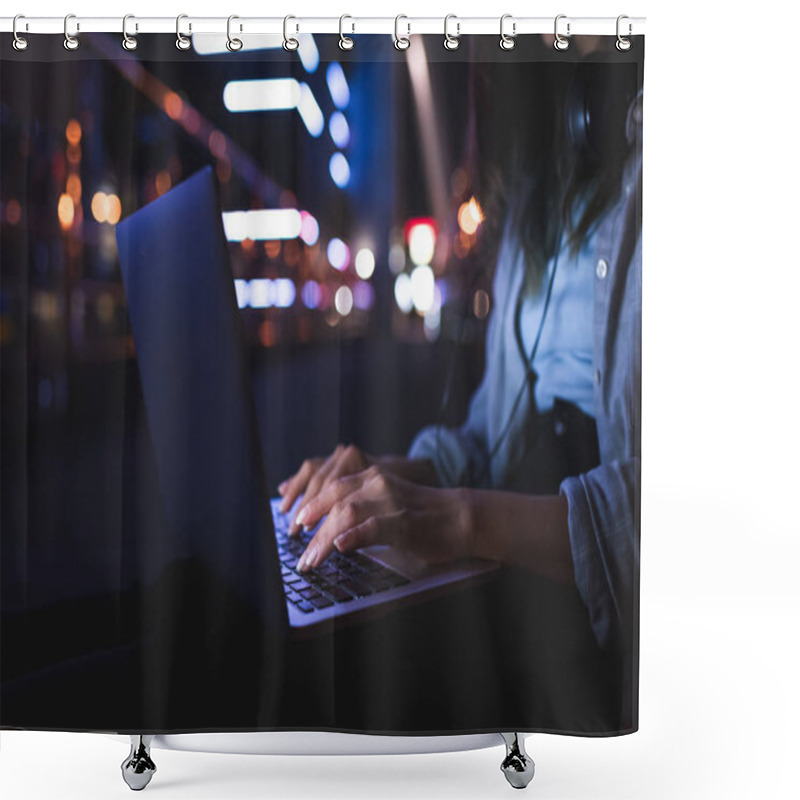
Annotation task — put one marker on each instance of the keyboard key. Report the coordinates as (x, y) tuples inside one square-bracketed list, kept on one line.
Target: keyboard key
[(305, 606), (310, 593), (321, 602), (337, 593)]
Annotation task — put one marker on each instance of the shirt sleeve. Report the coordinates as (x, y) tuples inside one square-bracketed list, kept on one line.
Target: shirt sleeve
[(604, 536), (459, 455)]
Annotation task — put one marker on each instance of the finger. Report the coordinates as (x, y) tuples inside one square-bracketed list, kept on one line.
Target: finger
[(333, 492), (343, 517), (313, 486), (294, 486)]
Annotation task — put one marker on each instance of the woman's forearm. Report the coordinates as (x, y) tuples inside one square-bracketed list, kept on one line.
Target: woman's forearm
[(528, 531)]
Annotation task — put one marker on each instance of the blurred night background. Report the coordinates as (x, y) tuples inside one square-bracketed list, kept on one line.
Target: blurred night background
[(348, 200)]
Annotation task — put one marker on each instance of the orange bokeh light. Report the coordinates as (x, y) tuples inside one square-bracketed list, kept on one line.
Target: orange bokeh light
[(66, 211), (73, 131)]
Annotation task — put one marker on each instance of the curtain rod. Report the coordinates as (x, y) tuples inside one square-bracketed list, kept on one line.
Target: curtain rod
[(461, 26)]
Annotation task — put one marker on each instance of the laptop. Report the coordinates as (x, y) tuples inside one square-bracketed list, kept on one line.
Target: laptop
[(198, 395)]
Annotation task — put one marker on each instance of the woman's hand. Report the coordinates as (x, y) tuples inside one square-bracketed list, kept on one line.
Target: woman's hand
[(317, 474), (376, 506)]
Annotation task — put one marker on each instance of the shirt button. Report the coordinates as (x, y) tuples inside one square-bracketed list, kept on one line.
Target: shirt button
[(601, 270), (597, 376)]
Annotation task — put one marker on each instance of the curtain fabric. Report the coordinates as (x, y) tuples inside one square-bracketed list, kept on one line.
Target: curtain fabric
[(217, 267)]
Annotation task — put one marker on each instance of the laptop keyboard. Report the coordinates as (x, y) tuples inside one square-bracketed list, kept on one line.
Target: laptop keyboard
[(339, 579)]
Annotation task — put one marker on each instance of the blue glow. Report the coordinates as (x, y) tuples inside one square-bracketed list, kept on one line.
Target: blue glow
[(307, 50), (312, 294), (242, 292), (284, 292), (337, 84), (340, 130), (340, 170)]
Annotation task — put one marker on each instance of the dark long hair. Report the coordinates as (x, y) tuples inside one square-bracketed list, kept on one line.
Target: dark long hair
[(533, 176)]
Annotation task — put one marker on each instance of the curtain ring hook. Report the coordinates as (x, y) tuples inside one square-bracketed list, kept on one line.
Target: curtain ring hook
[(401, 42), (71, 42), (182, 42), (289, 42), (345, 42), (233, 44), (451, 42), (562, 42), (623, 43), (507, 42), (20, 42), (129, 42)]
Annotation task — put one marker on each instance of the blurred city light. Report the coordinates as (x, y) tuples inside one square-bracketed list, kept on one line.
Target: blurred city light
[(363, 295), (470, 216), (261, 224), (262, 293), (397, 258), (307, 50), (268, 94), (340, 170), (339, 129), (66, 211), (421, 236), (311, 294), (338, 254), (422, 288), (73, 132), (114, 209), (402, 292), (343, 300), (242, 292), (337, 85), (365, 263), (99, 206), (310, 112), (309, 228), (285, 292)]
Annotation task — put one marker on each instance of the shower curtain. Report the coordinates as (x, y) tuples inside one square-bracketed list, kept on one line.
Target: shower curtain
[(432, 263)]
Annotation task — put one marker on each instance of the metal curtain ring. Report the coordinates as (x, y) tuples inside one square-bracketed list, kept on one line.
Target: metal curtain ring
[(233, 44), (507, 42), (289, 42), (70, 42), (345, 42), (561, 42), (20, 42), (129, 42), (451, 42), (401, 42), (623, 43), (182, 42)]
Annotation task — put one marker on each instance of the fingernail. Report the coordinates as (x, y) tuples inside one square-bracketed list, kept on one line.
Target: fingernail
[(338, 542), (301, 517), (308, 559)]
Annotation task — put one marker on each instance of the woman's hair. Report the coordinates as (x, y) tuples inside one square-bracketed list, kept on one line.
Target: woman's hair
[(532, 178)]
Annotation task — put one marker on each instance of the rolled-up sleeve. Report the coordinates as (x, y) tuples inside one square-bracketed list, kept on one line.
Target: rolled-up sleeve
[(604, 536)]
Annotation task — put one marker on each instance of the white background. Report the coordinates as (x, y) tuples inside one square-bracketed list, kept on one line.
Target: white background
[(720, 535)]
